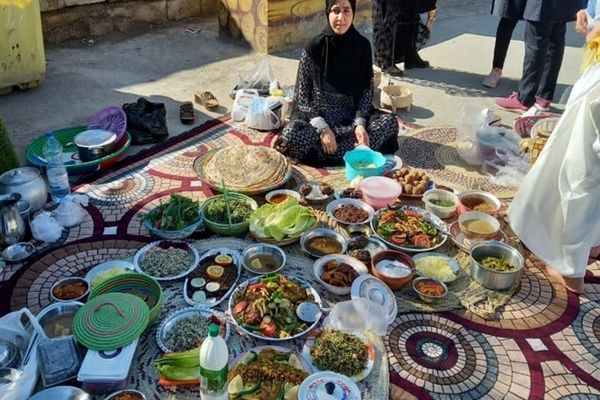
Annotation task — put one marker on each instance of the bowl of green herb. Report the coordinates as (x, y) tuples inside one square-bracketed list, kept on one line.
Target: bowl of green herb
[(440, 202), (176, 219), (228, 213)]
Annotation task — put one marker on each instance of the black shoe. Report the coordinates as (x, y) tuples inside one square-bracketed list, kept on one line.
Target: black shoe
[(393, 70), (186, 112), (416, 62)]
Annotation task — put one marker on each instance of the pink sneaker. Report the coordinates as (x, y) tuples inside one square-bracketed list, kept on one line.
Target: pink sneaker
[(511, 103), (542, 104), (491, 81)]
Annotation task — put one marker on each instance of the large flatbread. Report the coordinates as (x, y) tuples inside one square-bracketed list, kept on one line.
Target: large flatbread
[(245, 167)]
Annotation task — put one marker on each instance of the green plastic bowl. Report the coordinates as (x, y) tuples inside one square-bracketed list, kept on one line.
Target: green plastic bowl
[(140, 285), (35, 154), (226, 229)]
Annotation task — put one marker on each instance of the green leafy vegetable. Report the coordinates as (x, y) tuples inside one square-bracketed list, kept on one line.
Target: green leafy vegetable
[(277, 221), (178, 213), (181, 366), (239, 210)]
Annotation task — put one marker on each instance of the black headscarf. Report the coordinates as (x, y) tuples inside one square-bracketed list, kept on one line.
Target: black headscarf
[(345, 60)]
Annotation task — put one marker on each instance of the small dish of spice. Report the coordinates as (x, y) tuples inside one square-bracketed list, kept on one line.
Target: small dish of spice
[(279, 196), (69, 289), (429, 289)]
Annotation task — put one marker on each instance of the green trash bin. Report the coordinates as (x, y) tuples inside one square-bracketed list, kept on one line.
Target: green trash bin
[(22, 58)]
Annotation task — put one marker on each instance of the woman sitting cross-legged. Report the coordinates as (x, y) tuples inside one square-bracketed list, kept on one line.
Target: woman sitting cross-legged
[(333, 96)]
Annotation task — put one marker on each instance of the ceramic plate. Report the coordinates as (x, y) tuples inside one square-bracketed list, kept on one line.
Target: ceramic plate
[(310, 343), (313, 387)]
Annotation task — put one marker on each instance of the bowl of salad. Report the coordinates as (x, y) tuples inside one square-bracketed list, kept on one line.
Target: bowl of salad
[(176, 219), (228, 214), (265, 307)]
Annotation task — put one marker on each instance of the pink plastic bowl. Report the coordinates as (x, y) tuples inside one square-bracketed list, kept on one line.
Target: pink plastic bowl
[(379, 191)]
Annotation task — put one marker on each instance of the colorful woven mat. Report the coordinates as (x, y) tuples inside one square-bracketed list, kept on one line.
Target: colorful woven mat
[(433, 151)]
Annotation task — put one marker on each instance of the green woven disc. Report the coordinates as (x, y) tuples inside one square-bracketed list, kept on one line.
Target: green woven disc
[(110, 321)]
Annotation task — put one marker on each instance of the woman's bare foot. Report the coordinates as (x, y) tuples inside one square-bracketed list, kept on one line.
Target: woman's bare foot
[(575, 285)]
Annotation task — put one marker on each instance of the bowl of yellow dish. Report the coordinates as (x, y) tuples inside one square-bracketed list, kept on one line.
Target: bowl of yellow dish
[(437, 266)]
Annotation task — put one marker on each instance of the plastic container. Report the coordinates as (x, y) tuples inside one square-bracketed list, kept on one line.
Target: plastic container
[(106, 371), (379, 191), (214, 357), (363, 156), (58, 178), (21, 45), (58, 360)]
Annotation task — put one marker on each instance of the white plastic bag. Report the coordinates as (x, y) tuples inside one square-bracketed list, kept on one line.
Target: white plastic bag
[(70, 211), (15, 329), (265, 113), (45, 228), (243, 99), (357, 316), (260, 80), (468, 122)]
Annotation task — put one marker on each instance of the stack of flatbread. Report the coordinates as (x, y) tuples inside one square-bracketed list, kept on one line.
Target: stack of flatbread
[(244, 169)]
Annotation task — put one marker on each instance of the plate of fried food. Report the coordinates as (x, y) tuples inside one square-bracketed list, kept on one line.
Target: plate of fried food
[(337, 272), (414, 183)]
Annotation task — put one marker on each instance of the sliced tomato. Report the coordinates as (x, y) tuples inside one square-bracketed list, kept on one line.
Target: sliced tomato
[(158, 224), (411, 213), (398, 239), (422, 241), (239, 307), (269, 328), (386, 216), (255, 287)]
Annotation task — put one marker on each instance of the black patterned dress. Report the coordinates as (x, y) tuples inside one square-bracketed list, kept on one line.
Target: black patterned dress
[(394, 24), (316, 109)]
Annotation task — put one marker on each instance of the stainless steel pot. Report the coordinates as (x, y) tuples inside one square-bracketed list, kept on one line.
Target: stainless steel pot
[(29, 183), (94, 144), (489, 278)]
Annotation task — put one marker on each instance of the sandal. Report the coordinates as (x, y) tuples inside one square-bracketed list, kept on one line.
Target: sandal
[(207, 99), (186, 112)]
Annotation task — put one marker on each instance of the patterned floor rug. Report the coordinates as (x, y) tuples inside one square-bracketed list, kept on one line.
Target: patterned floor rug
[(545, 342)]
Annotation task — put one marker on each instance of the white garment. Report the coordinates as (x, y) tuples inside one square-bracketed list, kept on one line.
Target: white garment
[(556, 212)]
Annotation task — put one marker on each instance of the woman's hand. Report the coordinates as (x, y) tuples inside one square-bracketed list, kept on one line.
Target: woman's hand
[(328, 141), (362, 137), (593, 34), (582, 22)]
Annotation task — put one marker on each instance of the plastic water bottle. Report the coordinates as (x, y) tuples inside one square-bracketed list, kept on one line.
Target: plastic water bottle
[(58, 178), (214, 357)]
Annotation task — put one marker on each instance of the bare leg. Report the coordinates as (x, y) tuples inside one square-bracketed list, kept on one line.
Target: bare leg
[(575, 285)]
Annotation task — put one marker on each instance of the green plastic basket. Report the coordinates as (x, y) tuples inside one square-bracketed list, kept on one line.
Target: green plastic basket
[(66, 136), (226, 229), (141, 285)]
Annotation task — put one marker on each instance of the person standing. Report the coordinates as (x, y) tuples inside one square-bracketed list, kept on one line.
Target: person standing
[(510, 12), (557, 208), (395, 27), (545, 30)]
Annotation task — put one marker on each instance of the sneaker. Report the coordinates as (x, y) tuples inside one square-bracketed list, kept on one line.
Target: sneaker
[(491, 81), (511, 103), (542, 104)]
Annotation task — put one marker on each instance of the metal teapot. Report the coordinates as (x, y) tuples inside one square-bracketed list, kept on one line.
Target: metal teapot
[(12, 226)]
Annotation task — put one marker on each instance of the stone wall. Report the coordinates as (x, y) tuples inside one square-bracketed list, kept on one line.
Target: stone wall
[(75, 19)]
